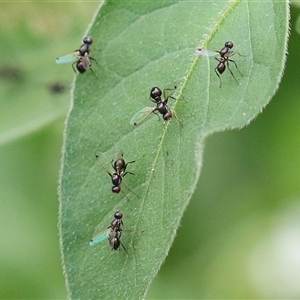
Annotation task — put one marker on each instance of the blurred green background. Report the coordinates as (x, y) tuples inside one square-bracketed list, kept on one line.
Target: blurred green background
[(240, 236)]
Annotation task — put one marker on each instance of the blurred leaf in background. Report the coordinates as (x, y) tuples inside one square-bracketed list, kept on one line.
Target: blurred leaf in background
[(34, 99)]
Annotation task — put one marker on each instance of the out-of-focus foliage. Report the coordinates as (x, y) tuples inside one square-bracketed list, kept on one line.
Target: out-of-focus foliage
[(34, 99)]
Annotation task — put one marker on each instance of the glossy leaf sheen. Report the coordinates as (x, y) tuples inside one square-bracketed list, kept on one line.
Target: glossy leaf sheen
[(138, 46)]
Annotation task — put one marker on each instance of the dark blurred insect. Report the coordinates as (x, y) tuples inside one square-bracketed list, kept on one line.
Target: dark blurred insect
[(112, 233), (224, 58), (161, 101), (119, 166), (12, 73), (57, 88)]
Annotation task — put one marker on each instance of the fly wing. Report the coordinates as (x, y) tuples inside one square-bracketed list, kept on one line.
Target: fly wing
[(230, 53), (168, 93), (85, 61), (100, 237), (101, 163), (83, 64), (68, 58), (205, 52), (141, 115)]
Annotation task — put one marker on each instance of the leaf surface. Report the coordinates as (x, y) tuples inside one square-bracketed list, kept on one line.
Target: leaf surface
[(139, 46)]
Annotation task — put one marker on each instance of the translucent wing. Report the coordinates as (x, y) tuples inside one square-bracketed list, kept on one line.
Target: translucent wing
[(68, 58), (100, 237), (83, 64), (100, 162), (230, 53), (168, 93), (86, 62), (205, 52), (141, 115)]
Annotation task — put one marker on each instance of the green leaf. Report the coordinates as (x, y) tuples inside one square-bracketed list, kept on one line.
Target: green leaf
[(28, 74), (141, 45), (26, 111)]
